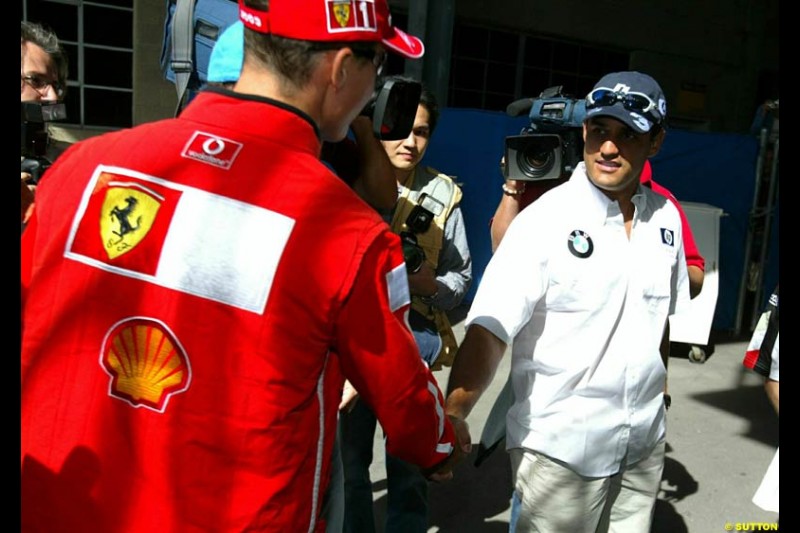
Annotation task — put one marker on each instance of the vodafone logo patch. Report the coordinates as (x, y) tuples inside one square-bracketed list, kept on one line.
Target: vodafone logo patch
[(211, 149)]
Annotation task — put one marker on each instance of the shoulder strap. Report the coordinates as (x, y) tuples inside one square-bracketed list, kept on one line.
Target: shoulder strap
[(182, 43)]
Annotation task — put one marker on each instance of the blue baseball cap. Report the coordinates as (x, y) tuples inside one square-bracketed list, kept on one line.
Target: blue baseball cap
[(227, 56), (631, 97)]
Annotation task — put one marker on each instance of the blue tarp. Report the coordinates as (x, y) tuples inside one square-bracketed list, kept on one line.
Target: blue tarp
[(716, 169)]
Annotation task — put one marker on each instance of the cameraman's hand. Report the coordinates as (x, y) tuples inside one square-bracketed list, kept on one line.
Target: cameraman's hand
[(27, 195), (423, 282)]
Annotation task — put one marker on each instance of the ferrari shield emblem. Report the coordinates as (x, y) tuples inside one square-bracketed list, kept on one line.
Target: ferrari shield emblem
[(127, 216), (341, 11)]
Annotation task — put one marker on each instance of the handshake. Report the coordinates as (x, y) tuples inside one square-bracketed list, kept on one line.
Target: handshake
[(462, 447)]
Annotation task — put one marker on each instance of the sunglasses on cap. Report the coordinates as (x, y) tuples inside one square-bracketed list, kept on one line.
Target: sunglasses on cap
[(603, 96)]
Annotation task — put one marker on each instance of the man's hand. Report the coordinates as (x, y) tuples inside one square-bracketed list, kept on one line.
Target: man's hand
[(349, 397), (423, 281), (462, 447)]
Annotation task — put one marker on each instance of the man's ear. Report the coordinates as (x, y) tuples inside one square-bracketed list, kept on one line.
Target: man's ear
[(339, 63), (655, 142)]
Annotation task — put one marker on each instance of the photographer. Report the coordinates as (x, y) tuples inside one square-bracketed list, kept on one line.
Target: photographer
[(439, 268), (43, 79)]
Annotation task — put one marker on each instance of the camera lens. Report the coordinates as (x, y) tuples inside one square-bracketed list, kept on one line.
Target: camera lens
[(535, 161)]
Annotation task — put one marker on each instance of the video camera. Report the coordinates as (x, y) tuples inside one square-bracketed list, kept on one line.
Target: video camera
[(34, 117), (552, 145), (393, 109)]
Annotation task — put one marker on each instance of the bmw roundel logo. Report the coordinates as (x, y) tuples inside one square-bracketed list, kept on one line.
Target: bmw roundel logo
[(580, 244)]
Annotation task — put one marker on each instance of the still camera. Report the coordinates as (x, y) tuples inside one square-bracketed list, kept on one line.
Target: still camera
[(34, 118)]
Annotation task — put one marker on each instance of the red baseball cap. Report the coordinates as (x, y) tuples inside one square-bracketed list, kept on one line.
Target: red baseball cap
[(332, 20)]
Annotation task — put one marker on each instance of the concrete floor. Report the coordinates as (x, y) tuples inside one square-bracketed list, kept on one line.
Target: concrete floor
[(722, 434)]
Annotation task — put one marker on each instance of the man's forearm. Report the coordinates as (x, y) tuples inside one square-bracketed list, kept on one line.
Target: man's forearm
[(771, 386), (696, 277), (508, 208), (473, 369)]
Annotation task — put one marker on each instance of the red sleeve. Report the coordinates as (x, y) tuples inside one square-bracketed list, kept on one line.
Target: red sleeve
[(693, 257), (381, 360)]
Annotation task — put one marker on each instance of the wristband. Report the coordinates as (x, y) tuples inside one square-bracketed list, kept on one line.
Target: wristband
[(513, 192)]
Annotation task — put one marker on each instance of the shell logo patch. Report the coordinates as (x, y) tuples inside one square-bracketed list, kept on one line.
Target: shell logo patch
[(580, 244), (146, 363), (127, 216)]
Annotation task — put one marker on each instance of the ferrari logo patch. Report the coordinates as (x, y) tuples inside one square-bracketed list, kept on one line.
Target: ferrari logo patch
[(341, 11), (127, 216)]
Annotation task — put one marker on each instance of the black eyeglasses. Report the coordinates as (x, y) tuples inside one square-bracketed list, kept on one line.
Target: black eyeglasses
[(378, 56), (632, 101), (40, 84)]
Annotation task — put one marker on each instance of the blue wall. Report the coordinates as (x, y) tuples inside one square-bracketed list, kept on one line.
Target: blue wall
[(717, 169)]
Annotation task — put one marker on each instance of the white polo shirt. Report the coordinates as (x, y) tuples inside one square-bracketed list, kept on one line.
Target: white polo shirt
[(586, 307)]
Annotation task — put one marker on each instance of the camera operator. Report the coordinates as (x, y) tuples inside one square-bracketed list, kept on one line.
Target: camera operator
[(429, 220), (43, 79), (516, 195)]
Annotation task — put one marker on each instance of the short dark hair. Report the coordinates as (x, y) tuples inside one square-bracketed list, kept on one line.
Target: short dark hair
[(44, 37), (656, 129), (426, 99), (291, 58)]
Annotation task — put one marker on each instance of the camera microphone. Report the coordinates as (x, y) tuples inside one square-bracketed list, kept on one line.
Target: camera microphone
[(518, 108)]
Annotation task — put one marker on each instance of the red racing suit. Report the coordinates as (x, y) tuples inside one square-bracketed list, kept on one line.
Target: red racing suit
[(195, 291)]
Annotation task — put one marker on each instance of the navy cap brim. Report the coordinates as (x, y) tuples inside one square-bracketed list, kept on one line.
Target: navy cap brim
[(635, 121)]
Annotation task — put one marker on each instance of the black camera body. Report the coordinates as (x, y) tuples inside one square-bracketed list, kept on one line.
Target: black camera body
[(393, 109), (552, 145), (418, 221), (34, 117)]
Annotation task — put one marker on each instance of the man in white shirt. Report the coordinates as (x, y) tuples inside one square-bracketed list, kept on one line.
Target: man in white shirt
[(585, 303)]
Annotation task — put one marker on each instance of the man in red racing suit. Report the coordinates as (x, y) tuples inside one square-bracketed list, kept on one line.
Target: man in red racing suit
[(195, 292)]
